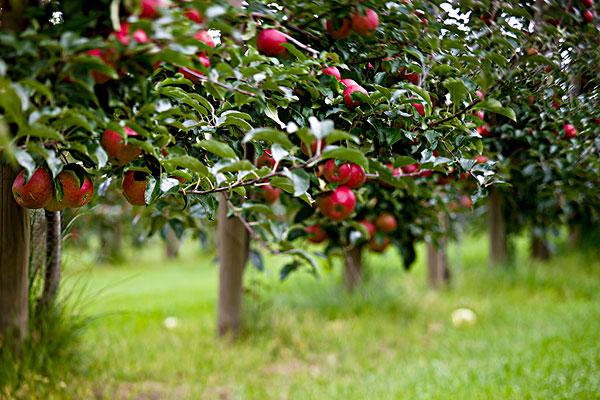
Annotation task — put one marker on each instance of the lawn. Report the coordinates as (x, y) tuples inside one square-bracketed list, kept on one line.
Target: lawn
[(536, 334)]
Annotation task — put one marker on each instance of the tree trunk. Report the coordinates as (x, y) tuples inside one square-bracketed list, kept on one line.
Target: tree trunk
[(539, 249), (437, 265), (111, 243), (14, 260), (233, 245), (353, 268), (172, 243), (574, 239), (53, 257), (497, 229)]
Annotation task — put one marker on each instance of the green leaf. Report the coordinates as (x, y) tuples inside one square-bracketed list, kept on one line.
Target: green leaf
[(300, 180), (495, 106), (271, 112), (457, 88), (337, 136), (25, 160), (345, 154), (219, 148), (187, 162), (268, 135)]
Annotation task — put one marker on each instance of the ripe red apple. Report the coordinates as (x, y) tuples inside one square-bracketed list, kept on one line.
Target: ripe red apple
[(122, 35), (410, 168), (425, 172), (379, 244), (480, 94), (340, 29), (265, 158), (487, 19), (357, 177), (150, 8), (86, 192), (99, 77), (588, 3), (420, 109), (337, 205), (413, 78), (596, 121), (316, 234), (386, 222), (205, 37), (588, 16), (333, 71), (269, 42), (36, 192), (480, 115), (193, 15), (71, 192), (370, 227), (140, 36), (365, 24), (481, 159), (349, 82), (484, 130), (134, 187), (271, 194), (314, 146), (350, 103), (396, 172), (339, 174), (570, 131), (118, 152), (191, 73)]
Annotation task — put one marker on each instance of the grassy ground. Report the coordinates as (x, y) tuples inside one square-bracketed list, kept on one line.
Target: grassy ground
[(536, 335)]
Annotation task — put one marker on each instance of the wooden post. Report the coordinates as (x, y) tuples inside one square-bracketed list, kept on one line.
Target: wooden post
[(539, 248), (497, 229), (53, 257), (14, 260), (233, 245), (353, 268)]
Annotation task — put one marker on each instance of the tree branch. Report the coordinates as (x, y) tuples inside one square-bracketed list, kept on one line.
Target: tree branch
[(203, 78)]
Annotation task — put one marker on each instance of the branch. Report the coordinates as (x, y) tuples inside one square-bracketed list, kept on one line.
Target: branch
[(201, 77)]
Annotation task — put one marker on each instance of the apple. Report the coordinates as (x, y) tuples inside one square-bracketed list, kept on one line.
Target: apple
[(480, 94), (357, 177), (270, 193), (466, 201), (118, 152), (339, 174), (205, 37), (122, 35), (350, 103), (396, 172), (413, 78), (570, 131), (338, 204), (140, 36), (588, 16), (100, 77), (316, 234), (349, 82), (378, 245), (481, 159), (365, 24), (71, 192), (370, 227), (150, 8), (339, 29), (487, 19), (588, 3), (265, 158), (86, 192), (193, 15), (480, 115), (36, 192), (333, 71), (269, 42), (191, 73), (425, 172), (410, 168), (134, 187), (420, 109), (315, 146), (596, 121), (484, 130), (386, 222)]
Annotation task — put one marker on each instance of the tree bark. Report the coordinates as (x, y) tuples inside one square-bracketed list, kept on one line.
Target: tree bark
[(14, 260), (438, 272), (353, 268), (111, 242), (497, 229), (53, 257), (233, 245), (172, 243), (539, 249)]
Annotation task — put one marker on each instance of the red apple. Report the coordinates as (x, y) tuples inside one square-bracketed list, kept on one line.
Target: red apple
[(370, 227), (357, 177), (71, 192), (378, 245), (349, 82), (588, 3), (570, 131), (150, 8), (365, 24), (339, 174), (314, 146), (588, 16), (134, 187), (410, 168), (420, 109), (191, 73), (265, 158), (316, 234), (140, 36), (484, 130), (122, 35), (386, 222), (193, 15), (340, 29), (350, 103), (413, 78), (269, 42), (205, 37), (481, 159), (270, 193), (99, 77), (396, 172), (333, 71), (480, 115), (480, 94), (86, 192), (118, 152), (338, 204), (36, 192)]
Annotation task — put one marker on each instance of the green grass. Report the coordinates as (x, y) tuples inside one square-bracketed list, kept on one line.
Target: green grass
[(536, 335)]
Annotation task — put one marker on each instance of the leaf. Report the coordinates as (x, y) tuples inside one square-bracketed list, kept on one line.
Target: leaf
[(300, 180), (188, 162), (269, 135), (25, 160), (287, 269), (345, 154), (219, 148), (241, 165), (495, 106), (337, 135), (41, 131), (457, 88), (272, 113)]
